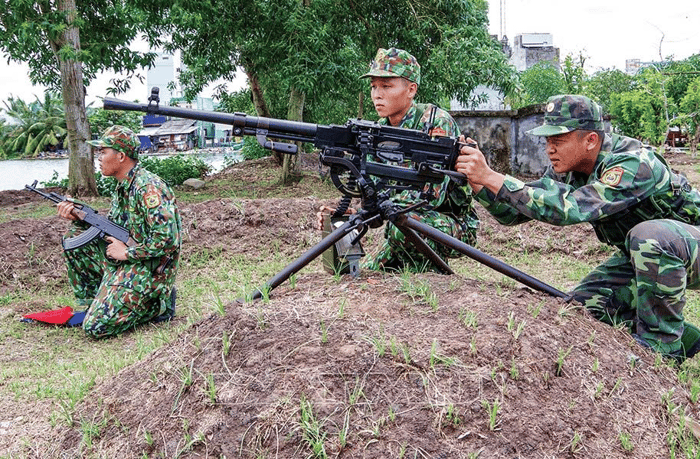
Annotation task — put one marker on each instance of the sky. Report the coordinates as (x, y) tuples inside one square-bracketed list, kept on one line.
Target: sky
[(606, 32)]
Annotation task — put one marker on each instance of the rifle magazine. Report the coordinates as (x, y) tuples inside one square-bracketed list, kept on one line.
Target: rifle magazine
[(81, 239)]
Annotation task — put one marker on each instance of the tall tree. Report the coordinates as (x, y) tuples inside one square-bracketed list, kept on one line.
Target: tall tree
[(539, 83), (66, 43), (604, 83), (303, 57)]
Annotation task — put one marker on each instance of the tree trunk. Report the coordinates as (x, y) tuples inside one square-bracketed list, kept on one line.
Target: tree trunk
[(295, 113), (361, 106), (81, 165), (258, 96), (261, 106), (695, 140)]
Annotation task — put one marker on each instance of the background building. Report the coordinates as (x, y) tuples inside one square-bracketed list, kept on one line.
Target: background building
[(159, 132), (528, 49)]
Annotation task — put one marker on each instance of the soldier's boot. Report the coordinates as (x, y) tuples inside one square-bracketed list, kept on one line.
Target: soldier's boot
[(690, 340), (169, 309), (672, 351), (690, 344)]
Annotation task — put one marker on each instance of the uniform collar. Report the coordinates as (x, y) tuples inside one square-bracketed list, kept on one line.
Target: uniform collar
[(126, 183)]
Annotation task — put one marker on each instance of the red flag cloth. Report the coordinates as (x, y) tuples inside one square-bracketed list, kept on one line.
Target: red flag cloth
[(59, 316)]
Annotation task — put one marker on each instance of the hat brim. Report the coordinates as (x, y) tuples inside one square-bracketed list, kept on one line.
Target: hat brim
[(548, 130), (96, 143), (381, 73)]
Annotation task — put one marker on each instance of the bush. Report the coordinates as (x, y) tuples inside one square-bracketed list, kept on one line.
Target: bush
[(173, 170), (252, 149), (176, 169)]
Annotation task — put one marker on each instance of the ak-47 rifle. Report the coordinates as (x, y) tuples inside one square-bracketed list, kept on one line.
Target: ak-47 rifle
[(367, 161), (99, 226)]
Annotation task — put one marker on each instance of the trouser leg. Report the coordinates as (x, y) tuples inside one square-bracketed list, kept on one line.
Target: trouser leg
[(664, 254), (117, 307), (609, 291), (397, 253), (86, 266)]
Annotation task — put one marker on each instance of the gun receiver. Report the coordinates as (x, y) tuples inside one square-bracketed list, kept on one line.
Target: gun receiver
[(99, 226)]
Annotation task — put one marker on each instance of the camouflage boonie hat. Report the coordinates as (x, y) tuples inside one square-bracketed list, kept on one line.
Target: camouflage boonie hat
[(394, 62), (121, 139), (568, 113)]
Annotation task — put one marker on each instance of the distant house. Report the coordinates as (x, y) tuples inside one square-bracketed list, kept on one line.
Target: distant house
[(176, 135), (675, 137)]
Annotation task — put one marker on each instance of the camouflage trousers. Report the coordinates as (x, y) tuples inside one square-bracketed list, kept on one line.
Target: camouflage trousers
[(645, 290), (396, 253), (117, 296)]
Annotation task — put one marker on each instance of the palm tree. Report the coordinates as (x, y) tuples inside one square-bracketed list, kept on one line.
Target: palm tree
[(4, 130), (37, 125)]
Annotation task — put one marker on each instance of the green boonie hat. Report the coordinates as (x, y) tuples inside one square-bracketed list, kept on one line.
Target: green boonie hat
[(394, 62), (121, 139), (566, 113)]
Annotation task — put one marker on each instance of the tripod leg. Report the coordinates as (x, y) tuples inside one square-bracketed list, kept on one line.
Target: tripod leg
[(424, 248), (305, 259), (481, 257)]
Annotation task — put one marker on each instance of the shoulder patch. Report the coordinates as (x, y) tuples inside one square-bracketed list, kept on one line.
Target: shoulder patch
[(151, 199), (612, 177)]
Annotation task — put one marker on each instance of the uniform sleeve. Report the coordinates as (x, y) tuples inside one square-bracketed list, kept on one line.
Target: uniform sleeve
[(620, 184), (159, 224), (443, 124)]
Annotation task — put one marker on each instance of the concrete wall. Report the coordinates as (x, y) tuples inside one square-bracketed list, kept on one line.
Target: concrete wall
[(502, 137)]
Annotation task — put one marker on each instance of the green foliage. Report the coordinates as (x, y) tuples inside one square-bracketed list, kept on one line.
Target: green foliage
[(331, 44), (638, 114), (539, 83), (604, 83), (690, 107), (106, 29), (101, 119), (176, 169), (35, 127), (252, 149), (575, 77)]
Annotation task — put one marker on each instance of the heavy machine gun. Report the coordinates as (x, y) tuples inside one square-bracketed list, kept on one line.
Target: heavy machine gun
[(366, 160)]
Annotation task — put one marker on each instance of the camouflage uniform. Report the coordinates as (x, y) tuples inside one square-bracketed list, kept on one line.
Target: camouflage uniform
[(121, 294), (451, 210), (635, 203)]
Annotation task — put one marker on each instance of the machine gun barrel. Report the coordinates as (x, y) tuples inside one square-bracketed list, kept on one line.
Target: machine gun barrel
[(243, 124)]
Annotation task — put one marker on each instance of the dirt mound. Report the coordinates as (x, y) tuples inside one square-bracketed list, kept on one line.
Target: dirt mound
[(381, 368)]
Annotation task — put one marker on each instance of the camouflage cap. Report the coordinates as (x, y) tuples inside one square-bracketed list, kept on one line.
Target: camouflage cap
[(394, 62), (121, 139), (566, 113)]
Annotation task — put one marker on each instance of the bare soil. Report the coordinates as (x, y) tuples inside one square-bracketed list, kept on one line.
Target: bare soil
[(382, 366)]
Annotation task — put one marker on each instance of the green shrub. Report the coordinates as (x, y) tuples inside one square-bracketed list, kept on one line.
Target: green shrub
[(173, 170), (252, 149), (176, 169)]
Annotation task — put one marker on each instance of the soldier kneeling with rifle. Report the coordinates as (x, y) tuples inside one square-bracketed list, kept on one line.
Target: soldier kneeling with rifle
[(125, 284)]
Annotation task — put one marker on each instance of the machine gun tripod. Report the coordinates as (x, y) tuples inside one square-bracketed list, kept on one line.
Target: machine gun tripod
[(375, 211)]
